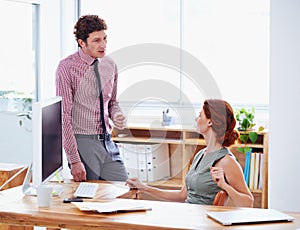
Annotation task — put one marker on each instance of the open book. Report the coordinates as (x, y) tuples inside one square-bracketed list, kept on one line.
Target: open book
[(112, 206)]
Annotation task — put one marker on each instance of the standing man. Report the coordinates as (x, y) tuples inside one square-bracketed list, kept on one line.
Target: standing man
[(76, 81)]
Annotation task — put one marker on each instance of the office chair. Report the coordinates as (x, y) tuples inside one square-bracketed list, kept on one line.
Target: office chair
[(221, 198)]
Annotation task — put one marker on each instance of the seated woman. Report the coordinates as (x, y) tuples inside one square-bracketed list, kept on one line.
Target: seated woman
[(214, 167)]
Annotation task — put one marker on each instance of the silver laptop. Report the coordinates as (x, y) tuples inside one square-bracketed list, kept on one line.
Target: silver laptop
[(251, 215)]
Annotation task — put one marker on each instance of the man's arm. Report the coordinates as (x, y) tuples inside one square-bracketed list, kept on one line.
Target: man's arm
[(64, 89)]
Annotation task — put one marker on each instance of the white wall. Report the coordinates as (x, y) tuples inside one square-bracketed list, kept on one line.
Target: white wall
[(284, 155)]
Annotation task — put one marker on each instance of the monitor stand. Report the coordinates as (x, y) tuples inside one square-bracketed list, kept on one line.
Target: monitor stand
[(27, 188)]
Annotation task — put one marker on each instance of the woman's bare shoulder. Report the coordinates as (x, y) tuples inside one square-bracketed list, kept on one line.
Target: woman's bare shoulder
[(228, 161)]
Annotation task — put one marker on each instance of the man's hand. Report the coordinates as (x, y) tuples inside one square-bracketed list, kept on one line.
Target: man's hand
[(119, 120), (78, 171)]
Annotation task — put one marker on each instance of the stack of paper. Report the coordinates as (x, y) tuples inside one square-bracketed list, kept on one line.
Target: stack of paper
[(112, 206)]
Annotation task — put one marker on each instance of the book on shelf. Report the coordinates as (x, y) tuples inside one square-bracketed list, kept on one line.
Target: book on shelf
[(247, 167), (255, 174), (256, 170), (261, 171), (252, 168)]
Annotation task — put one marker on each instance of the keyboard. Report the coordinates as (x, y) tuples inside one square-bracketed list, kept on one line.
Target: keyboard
[(86, 190)]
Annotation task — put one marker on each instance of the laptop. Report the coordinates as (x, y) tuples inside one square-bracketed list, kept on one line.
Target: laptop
[(251, 215)]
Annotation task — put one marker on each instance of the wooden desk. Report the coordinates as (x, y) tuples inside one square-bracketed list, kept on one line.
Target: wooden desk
[(17, 209)]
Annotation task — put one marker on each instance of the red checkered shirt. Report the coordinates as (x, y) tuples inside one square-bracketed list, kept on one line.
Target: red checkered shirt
[(77, 84)]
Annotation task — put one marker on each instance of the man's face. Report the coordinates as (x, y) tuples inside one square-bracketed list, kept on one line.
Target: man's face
[(95, 46)]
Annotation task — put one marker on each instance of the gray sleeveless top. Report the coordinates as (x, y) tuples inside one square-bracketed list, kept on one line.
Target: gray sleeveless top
[(201, 189)]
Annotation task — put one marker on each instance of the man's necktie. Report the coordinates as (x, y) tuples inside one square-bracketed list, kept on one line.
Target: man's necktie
[(95, 64)]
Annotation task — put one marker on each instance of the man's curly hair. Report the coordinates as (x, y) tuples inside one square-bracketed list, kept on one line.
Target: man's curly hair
[(87, 24)]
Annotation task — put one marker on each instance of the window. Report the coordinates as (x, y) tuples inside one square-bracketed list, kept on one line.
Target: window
[(141, 32), (231, 38), (19, 67), (177, 53)]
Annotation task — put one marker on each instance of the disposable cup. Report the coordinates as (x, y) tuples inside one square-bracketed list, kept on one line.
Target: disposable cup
[(44, 194)]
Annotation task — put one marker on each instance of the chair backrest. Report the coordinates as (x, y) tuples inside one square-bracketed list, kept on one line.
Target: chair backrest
[(220, 198)]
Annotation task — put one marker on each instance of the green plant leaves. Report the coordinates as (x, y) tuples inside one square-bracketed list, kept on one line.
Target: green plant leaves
[(245, 119), (253, 136), (244, 149), (261, 128), (244, 138), (245, 124)]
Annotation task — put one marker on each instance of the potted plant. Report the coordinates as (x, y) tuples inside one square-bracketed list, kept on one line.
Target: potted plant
[(245, 119)]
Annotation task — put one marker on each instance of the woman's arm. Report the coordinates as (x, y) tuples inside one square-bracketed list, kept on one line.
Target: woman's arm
[(163, 194), (235, 185)]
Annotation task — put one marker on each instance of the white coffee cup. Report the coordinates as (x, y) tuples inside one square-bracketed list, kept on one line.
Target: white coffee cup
[(44, 194)]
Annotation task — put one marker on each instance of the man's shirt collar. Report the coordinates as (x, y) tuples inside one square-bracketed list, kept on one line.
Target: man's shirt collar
[(87, 58)]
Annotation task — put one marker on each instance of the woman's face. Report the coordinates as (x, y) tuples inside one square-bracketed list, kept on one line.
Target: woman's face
[(203, 123)]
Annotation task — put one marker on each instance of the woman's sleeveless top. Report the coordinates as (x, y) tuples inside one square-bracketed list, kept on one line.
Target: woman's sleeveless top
[(201, 188)]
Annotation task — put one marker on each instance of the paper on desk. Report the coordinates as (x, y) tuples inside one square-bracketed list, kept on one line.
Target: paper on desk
[(112, 206)]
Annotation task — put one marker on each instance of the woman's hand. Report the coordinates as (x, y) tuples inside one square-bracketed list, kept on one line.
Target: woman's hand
[(217, 175), (134, 183)]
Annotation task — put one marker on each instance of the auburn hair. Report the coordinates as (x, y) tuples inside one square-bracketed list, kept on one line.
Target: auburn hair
[(223, 121)]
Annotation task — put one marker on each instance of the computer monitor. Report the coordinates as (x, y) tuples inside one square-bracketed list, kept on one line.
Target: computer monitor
[(47, 158)]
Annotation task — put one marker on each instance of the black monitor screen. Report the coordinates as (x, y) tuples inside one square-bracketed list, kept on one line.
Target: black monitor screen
[(51, 139)]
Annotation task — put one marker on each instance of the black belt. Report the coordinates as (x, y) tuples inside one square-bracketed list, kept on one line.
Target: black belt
[(98, 137)]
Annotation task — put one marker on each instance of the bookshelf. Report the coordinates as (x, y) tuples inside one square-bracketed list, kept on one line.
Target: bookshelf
[(184, 143)]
